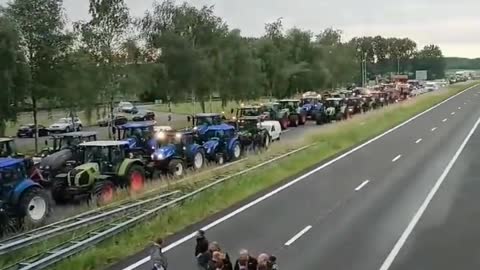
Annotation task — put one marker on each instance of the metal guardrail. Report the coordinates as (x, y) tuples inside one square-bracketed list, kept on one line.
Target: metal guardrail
[(114, 225), (74, 223)]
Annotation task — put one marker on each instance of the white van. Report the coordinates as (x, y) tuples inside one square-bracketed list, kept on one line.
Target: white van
[(273, 127)]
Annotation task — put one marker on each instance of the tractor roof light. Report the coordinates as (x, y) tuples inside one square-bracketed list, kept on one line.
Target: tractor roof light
[(178, 136), (161, 135)]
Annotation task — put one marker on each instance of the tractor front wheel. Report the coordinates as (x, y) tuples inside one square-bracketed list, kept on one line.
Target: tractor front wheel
[(236, 151), (303, 119), (198, 160), (34, 207), (59, 191), (136, 178), (104, 191), (220, 159), (176, 167)]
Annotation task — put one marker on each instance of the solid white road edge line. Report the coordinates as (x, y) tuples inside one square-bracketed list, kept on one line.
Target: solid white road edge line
[(298, 235), (444, 120), (419, 140), (362, 185), (294, 181), (433, 129), (403, 238), (396, 158)]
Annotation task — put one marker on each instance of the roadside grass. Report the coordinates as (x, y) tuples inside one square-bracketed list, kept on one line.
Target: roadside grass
[(328, 142)]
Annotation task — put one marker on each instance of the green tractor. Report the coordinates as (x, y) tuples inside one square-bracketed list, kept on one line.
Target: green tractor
[(277, 113), (296, 115), (107, 165)]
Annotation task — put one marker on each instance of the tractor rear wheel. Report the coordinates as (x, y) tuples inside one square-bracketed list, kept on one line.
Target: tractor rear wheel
[(303, 119), (136, 178), (104, 191), (176, 167), (34, 207), (293, 120)]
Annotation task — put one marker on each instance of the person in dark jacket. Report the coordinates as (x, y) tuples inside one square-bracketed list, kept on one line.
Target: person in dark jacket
[(245, 261), (202, 253), (202, 243)]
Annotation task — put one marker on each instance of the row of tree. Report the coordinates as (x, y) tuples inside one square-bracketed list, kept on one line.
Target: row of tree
[(175, 53)]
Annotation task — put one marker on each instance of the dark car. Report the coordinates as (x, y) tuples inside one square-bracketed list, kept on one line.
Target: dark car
[(117, 121), (29, 131), (144, 116)]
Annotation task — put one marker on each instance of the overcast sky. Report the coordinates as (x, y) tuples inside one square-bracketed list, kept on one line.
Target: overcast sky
[(453, 25)]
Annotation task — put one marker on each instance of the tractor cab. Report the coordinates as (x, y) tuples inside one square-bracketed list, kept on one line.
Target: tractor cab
[(67, 141), (107, 154), (251, 111), (139, 135), (293, 105), (8, 148), (21, 199), (203, 120)]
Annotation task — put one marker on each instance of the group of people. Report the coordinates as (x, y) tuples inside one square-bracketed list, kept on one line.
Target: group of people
[(209, 256)]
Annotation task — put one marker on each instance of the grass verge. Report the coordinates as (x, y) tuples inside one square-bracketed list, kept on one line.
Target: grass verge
[(329, 141)]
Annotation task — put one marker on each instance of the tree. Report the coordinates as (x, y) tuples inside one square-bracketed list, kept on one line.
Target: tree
[(13, 73), (40, 24), (103, 37), (430, 58)]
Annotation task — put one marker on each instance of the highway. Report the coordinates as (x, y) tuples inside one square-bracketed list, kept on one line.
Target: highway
[(403, 200)]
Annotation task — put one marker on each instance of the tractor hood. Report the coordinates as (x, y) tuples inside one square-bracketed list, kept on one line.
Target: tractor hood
[(164, 152), (308, 107), (210, 146), (56, 160), (201, 129), (86, 166), (132, 143)]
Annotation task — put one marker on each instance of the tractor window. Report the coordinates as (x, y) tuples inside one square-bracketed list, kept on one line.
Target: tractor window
[(7, 149), (117, 155), (273, 128), (204, 121), (96, 154), (229, 133)]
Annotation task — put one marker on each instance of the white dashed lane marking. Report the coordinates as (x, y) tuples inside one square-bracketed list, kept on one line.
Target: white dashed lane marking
[(433, 129), (444, 120), (362, 185), (298, 235), (419, 140), (396, 158)]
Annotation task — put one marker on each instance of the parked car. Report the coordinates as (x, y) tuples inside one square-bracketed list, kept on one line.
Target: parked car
[(65, 125), (144, 116), (127, 107), (29, 131), (117, 121)]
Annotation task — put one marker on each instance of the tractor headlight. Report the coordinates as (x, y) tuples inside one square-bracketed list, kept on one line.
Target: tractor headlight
[(178, 136), (47, 167), (157, 156), (234, 118)]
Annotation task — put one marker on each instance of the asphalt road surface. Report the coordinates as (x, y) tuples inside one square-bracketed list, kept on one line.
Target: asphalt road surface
[(406, 199)]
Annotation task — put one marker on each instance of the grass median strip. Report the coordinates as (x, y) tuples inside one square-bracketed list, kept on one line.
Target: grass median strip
[(329, 141)]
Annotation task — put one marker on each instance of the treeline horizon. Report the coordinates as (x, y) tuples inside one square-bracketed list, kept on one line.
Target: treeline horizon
[(178, 52)]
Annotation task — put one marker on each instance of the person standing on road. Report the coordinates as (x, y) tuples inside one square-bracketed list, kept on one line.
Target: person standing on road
[(245, 261), (202, 253), (159, 261)]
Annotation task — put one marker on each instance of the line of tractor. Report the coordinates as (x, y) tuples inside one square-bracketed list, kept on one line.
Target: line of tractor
[(76, 165)]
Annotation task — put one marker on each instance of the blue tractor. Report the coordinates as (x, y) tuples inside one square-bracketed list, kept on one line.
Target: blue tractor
[(140, 137), (221, 143), (21, 199), (177, 150), (202, 121)]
